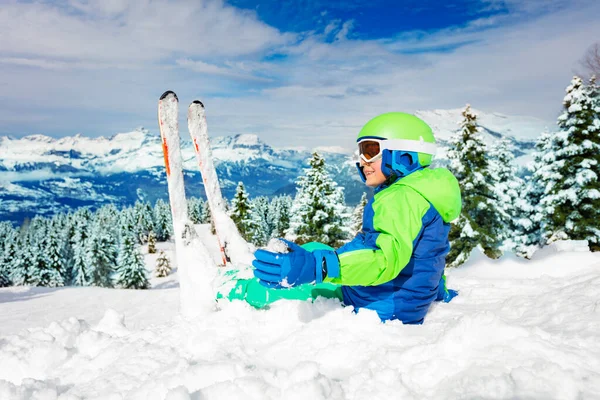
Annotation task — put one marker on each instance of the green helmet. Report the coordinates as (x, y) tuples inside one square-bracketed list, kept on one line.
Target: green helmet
[(402, 132)]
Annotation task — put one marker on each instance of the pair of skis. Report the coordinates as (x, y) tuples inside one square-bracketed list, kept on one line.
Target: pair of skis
[(196, 268), (233, 248)]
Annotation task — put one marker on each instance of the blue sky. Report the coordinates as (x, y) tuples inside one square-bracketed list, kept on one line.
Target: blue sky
[(305, 72), (376, 19)]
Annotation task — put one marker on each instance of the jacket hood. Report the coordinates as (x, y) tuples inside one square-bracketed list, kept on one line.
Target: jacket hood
[(439, 187)]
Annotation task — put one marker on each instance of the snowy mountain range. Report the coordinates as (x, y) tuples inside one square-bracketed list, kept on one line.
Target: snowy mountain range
[(43, 175)]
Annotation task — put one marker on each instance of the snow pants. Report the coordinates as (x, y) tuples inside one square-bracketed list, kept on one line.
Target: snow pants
[(260, 296)]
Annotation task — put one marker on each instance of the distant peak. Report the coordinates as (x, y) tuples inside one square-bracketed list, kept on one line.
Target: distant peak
[(332, 149), (39, 138), (247, 139)]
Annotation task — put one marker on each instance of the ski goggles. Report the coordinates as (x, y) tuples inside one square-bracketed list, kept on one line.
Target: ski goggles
[(371, 149)]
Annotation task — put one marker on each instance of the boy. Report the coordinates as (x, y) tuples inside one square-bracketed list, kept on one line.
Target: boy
[(395, 265)]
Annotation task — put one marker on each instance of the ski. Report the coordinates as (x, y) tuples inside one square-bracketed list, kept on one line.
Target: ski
[(193, 259), (234, 248)]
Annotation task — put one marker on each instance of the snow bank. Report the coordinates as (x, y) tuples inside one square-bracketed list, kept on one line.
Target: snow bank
[(518, 329)]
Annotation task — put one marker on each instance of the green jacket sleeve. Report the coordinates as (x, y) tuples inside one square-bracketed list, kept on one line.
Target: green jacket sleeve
[(397, 220)]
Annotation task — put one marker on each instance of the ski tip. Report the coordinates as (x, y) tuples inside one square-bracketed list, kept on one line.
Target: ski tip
[(168, 92), (198, 102)]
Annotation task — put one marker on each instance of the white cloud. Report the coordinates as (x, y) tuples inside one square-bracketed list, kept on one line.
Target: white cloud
[(7, 177), (134, 30), (233, 70), (332, 26), (343, 33)]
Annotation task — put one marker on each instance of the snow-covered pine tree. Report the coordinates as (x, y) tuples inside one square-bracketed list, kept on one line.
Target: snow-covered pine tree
[(80, 248), (131, 269), (152, 243), (70, 229), (240, 210), (572, 202), (41, 273), (195, 206), (318, 212), (259, 229), (127, 222), (55, 248), (163, 221), (143, 215), (102, 253), (205, 217), (4, 278), (163, 265), (279, 215), (527, 237), (36, 229), (20, 273), (357, 214), (111, 217), (59, 222), (479, 223), (507, 188), (7, 252), (5, 264), (11, 252), (593, 92)]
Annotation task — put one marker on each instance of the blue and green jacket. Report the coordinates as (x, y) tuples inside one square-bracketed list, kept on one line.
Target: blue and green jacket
[(395, 265)]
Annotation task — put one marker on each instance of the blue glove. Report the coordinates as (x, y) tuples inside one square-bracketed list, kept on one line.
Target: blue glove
[(299, 266)]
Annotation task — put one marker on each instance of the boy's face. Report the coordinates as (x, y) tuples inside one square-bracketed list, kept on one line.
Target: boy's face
[(373, 173)]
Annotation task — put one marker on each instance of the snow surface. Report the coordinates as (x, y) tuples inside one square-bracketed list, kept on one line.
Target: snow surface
[(518, 329)]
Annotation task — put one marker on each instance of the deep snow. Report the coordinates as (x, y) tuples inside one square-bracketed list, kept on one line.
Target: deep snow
[(518, 329)]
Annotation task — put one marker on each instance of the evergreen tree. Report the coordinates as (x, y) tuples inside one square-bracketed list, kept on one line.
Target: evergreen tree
[(110, 217), (152, 243), (572, 202), (6, 230), (357, 214), (40, 272), (529, 216), (22, 263), (205, 217), (37, 229), (70, 231), (318, 212), (7, 252), (240, 211), (195, 206), (163, 265), (80, 252), (127, 223), (102, 252), (143, 216), (507, 188), (279, 215), (259, 229), (5, 280), (163, 221), (131, 269), (54, 251), (479, 223)]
